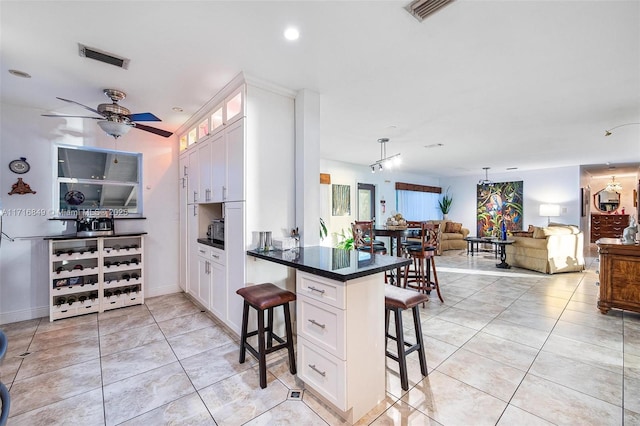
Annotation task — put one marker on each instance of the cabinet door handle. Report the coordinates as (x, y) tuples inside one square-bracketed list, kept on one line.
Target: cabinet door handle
[(224, 192), (208, 268), (207, 194), (316, 289), (194, 210), (313, 367), (201, 251), (184, 172), (215, 256), (195, 196), (314, 322), (184, 183)]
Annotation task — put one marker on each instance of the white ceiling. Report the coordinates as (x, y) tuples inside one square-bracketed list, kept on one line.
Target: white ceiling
[(527, 84)]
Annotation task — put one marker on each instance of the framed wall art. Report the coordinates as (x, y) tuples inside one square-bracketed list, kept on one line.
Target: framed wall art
[(340, 200)]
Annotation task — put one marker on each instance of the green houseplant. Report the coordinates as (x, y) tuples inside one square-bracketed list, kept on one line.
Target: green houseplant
[(346, 240), (445, 202)]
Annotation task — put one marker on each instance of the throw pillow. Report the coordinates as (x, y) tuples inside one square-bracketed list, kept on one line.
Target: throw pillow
[(453, 227), (538, 232)]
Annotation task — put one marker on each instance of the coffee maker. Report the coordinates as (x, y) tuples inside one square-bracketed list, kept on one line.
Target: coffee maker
[(93, 223)]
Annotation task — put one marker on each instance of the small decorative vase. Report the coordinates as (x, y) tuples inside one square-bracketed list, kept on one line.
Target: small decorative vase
[(445, 216)]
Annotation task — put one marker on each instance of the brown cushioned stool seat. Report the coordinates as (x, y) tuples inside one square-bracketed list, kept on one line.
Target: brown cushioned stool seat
[(396, 300), (266, 297)]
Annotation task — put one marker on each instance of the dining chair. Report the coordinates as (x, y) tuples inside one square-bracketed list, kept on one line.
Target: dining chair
[(424, 276), (364, 239)]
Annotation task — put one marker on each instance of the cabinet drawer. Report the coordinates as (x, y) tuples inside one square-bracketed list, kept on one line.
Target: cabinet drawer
[(318, 288), (217, 256), (321, 324), (323, 372)]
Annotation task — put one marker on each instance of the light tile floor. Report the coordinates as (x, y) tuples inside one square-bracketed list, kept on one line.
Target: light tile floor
[(506, 348)]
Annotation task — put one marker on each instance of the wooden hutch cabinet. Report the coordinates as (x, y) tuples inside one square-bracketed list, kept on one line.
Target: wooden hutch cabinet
[(619, 275), (608, 225)]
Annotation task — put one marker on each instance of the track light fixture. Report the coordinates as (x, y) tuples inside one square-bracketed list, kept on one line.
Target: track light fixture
[(389, 162), (485, 181), (608, 132)]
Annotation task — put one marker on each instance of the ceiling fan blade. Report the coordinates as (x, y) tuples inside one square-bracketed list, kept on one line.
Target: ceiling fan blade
[(150, 129), (83, 106), (143, 116), (71, 116)]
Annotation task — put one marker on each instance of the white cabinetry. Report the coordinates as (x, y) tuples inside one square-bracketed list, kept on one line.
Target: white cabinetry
[(193, 182), (235, 249), (202, 288), (183, 211), (94, 275), (218, 282), (235, 170), (218, 166), (204, 168), (348, 373)]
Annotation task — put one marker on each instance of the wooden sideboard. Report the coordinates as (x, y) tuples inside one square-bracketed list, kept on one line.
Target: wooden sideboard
[(619, 275), (608, 225)]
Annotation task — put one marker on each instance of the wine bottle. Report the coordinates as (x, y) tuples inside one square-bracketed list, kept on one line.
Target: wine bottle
[(503, 230)]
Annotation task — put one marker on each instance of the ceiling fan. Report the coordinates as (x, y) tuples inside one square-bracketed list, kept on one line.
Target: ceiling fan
[(117, 120)]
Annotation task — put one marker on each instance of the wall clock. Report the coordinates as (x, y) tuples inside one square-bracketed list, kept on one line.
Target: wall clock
[(19, 166)]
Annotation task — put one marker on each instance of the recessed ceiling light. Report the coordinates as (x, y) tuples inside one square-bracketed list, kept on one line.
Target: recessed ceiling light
[(177, 109), (512, 168), (291, 33), (19, 73)]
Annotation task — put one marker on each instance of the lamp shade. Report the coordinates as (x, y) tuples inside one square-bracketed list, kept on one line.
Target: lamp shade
[(113, 128), (549, 210)]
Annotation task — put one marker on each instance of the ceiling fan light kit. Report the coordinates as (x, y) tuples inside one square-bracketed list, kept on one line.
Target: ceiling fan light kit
[(116, 120)]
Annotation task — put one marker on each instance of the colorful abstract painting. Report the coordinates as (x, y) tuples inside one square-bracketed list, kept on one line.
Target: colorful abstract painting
[(498, 202)]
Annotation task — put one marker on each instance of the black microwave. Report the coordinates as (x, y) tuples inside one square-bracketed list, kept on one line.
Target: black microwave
[(215, 231)]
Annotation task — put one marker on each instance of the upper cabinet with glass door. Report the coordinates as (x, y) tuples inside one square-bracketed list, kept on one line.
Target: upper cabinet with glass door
[(228, 111)]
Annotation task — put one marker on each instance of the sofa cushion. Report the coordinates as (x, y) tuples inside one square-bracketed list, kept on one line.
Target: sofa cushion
[(452, 236), (538, 232), (561, 230), (452, 227)]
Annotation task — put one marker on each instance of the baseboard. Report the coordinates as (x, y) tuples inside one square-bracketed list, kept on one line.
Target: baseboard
[(24, 315)]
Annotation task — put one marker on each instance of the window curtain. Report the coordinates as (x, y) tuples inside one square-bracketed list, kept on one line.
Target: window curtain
[(417, 206)]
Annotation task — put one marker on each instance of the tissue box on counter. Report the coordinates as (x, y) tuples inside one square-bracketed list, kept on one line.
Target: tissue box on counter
[(284, 244)]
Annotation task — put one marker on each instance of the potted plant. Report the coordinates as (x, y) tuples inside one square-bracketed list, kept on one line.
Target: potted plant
[(346, 240), (444, 204)]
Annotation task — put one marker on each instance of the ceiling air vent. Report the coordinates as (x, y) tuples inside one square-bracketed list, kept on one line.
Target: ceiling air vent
[(420, 9), (107, 58)]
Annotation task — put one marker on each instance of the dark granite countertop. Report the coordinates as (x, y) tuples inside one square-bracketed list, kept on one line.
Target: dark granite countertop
[(74, 237), (210, 243), (332, 263)]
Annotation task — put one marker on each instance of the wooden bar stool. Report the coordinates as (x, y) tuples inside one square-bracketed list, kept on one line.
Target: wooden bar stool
[(396, 300), (266, 297), (423, 254)]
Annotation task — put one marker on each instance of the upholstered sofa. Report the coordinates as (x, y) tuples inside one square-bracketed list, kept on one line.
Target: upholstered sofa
[(452, 235), (549, 250)]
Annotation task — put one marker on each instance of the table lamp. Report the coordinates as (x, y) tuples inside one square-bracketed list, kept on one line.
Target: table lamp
[(549, 210)]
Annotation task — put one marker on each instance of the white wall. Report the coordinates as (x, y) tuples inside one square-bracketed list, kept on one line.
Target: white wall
[(24, 286), (546, 186)]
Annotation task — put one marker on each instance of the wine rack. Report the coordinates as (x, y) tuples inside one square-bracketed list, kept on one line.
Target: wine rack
[(90, 275)]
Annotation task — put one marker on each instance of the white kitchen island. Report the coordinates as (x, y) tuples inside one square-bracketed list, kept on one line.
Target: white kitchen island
[(340, 324)]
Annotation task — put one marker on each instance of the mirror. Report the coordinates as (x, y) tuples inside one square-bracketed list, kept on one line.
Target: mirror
[(606, 201)]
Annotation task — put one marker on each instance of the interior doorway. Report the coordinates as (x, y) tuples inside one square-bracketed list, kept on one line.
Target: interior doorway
[(366, 201)]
